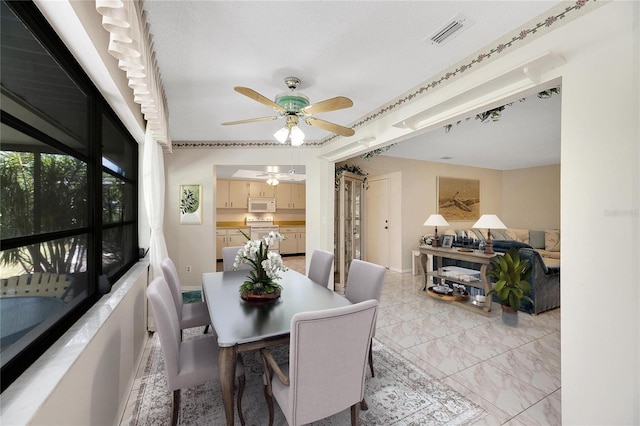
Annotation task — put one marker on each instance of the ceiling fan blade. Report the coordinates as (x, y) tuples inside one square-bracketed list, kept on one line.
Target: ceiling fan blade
[(339, 102), (331, 127), (250, 93), (251, 120)]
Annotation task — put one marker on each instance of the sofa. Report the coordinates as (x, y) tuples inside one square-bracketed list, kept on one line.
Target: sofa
[(544, 279), (545, 275), (546, 242)]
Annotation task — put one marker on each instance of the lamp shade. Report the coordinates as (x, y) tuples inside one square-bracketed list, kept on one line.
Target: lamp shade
[(489, 221), (282, 135), (436, 220), (297, 136)]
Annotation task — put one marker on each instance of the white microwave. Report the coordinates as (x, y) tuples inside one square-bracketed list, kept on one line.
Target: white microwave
[(262, 205)]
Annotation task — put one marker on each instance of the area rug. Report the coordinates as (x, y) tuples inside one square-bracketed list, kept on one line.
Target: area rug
[(191, 296), (399, 394)]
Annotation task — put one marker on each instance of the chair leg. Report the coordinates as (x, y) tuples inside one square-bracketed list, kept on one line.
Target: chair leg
[(176, 407), (241, 383), (269, 399), (355, 414), (371, 359), (206, 329)]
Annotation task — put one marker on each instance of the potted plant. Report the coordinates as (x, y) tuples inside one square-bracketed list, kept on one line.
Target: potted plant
[(266, 265), (512, 283)]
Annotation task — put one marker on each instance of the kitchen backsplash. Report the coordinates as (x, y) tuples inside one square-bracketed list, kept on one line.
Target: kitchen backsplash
[(225, 216)]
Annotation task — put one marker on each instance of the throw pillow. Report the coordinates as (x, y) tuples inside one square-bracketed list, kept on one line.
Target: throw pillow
[(517, 234), (537, 239), (477, 234), (552, 239), (499, 234)]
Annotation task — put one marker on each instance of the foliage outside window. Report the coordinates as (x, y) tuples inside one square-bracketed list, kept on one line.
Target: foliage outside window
[(68, 176)]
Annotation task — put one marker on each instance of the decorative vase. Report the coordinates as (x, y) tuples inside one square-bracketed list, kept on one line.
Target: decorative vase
[(509, 316), (260, 298)]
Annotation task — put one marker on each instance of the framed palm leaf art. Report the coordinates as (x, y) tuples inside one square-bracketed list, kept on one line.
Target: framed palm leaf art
[(191, 204)]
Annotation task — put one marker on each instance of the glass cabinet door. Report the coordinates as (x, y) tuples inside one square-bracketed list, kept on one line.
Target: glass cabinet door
[(348, 221)]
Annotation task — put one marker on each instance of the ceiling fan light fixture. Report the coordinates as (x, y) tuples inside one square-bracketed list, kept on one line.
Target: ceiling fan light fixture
[(273, 181), (297, 136), (282, 135)]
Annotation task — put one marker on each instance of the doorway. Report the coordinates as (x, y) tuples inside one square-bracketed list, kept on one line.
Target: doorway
[(377, 222)]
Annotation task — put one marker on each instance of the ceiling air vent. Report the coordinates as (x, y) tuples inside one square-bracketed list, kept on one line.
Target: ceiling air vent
[(451, 28)]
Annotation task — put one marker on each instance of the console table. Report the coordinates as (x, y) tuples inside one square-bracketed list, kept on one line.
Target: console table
[(475, 256)]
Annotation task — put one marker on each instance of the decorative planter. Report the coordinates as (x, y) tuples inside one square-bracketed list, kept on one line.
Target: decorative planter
[(509, 316), (260, 298)]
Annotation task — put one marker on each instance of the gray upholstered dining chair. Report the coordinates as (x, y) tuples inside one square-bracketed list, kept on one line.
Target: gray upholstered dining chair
[(364, 282), (229, 256), (320, 267), (190, 362), (315, 383), (194, 314)]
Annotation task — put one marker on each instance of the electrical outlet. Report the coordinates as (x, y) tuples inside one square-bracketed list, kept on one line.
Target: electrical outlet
[(189, 269)]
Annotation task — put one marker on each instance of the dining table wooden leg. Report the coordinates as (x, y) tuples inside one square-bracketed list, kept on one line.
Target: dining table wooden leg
[(227, 365)]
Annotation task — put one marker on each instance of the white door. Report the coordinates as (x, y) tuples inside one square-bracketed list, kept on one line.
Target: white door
[(377, 223)]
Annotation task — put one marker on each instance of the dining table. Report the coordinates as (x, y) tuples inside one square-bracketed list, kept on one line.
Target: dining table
[(244, 326)]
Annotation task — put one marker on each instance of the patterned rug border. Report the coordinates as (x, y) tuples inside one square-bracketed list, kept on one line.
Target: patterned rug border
[(401, 393)]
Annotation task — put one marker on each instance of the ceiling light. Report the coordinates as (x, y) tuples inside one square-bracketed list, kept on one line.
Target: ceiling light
[(273, 181), (297, 136), (282, 135), (290, 131)]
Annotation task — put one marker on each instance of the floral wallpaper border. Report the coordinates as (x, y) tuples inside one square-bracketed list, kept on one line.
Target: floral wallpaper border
[(518, 37)]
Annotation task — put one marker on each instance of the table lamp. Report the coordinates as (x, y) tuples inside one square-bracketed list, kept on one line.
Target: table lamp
[(489, 222), (436, 220)]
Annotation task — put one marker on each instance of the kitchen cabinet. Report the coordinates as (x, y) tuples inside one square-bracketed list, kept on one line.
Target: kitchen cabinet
[(229, 238), (232, 194), (295, 240), (261, 189), (291, 196)]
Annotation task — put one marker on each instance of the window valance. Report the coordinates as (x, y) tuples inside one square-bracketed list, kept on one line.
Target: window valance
[(130, 43)]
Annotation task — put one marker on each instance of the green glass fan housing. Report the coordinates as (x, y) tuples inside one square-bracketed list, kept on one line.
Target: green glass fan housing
[(292, 102)]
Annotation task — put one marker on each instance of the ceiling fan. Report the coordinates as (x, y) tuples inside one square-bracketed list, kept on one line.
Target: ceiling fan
[(273, 178), (293, 106)]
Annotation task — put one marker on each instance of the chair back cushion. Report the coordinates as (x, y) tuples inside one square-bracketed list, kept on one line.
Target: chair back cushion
[(364, 281), (229, 257), (167, 325), (328, 360), (320, 267), (173, 281)]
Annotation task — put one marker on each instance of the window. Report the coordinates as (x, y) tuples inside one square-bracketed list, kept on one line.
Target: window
[(69, 190)]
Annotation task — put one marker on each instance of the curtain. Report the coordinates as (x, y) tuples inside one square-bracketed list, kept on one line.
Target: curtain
[(153, 187)]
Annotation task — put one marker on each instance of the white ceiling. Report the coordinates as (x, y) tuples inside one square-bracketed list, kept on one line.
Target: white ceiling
[(369, 51)]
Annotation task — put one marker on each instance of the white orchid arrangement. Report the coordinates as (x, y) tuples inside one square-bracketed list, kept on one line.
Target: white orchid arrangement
[(266, 265)]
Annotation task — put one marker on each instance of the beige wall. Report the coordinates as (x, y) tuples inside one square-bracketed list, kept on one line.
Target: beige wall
[(418, 196), (194, 245), (531, 198)]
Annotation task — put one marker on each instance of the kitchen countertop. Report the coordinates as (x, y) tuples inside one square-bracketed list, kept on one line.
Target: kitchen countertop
[(236, 225)]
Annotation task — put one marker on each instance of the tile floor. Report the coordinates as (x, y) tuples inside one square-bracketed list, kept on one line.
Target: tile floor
[(513, 373)]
